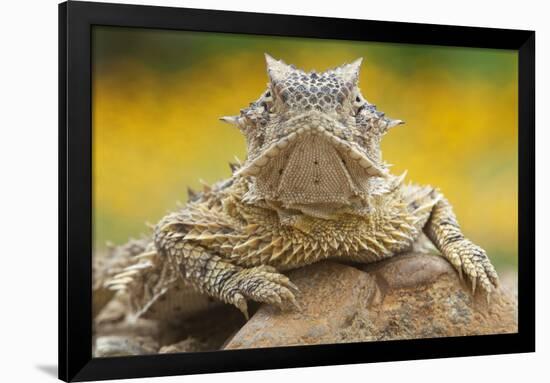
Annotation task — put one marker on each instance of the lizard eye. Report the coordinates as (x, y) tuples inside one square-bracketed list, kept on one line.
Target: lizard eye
[(267, 99), (358, 103)]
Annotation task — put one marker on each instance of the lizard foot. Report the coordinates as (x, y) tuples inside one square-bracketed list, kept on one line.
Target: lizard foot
[(470, 259), (262, 284)]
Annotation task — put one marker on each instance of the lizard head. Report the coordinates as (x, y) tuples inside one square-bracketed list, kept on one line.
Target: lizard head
[(313, 140)]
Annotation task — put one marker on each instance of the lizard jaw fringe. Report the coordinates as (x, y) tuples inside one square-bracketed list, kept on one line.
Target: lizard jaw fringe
[(304, 127)]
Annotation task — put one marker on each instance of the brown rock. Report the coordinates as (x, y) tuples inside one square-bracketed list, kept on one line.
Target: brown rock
[(409, 296), (330, 297)]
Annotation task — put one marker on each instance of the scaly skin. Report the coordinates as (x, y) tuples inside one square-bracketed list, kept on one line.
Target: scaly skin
[(313, 187)]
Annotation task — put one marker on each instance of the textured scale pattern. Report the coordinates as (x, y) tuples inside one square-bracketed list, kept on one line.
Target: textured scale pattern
[(313, 187)]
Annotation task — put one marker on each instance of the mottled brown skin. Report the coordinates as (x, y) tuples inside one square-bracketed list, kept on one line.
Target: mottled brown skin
[(313, 187)]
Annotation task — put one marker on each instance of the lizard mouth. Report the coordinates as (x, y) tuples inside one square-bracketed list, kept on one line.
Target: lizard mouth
[(301, 129), (312, 164)]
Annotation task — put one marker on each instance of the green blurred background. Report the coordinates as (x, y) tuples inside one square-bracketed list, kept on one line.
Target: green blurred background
[(157, 97)]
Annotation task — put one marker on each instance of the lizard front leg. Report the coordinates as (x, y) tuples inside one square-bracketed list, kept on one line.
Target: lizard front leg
[(443, 229), (216, 276)]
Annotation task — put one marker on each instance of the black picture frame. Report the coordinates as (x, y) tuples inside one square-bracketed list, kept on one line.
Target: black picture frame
[(75, 190)]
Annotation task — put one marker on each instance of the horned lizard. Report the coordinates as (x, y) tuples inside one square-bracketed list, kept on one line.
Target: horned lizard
[(313, 187)]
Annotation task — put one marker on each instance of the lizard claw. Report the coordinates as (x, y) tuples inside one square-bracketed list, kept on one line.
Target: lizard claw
[(295, 305), (240, 303), (263, 285), (471, 260), (292, 286)]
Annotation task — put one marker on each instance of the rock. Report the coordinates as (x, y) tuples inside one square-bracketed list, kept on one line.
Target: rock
[(509, 280), (190, 344), (116, 345), (423, 297), (409, 296), (330, 297), (207, 331), (116, 333)]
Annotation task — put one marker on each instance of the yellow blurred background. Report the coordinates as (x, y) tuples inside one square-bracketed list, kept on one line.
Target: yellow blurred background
[(157, 97)]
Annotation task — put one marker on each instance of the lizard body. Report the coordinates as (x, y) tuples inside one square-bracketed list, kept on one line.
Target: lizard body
[(313, 187)]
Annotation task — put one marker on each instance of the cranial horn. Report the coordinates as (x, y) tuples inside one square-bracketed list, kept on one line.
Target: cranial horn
[(230, 119), (350, 72), (385, 124), (277, 70), (392, 123)]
